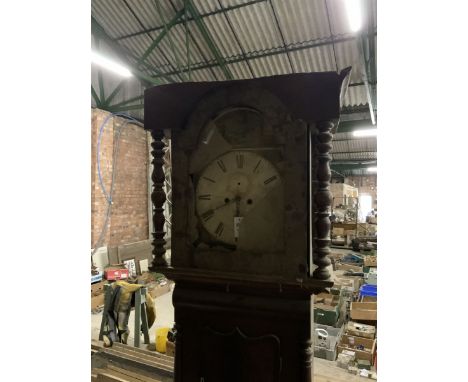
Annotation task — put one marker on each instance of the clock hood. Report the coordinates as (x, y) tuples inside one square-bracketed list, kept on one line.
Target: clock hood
[(308, 96)]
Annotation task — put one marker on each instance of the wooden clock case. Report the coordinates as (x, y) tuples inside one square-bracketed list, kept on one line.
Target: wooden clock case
[(241, 316)]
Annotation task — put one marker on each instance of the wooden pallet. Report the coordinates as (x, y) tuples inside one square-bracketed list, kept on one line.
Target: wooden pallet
[(113, 373), (148, 361)]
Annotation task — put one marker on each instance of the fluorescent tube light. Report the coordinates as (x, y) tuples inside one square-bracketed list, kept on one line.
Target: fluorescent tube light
[(110, 65), (365, 133), (353, 10), (371, 169)]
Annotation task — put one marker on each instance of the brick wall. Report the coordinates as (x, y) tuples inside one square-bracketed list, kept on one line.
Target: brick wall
[(128, 222)]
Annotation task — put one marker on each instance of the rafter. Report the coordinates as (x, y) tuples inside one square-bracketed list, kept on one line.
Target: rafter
[(114, 92), (125, 108), (228, 20), (130, 100), (95, 96), (272, 52), (161, 35), (202, 16), (209, 40)]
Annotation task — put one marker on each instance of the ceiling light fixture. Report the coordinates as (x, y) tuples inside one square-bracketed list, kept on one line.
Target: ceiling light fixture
[(365, 133), (353, 10), (100, 60), (371, 169)]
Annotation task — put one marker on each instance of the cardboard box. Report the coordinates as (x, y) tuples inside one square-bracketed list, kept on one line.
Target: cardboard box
[(97, 301), (170, 349), (157, 290), (353, 282), (349, 267), (370, 261), (360, 330), (97, 288), (366, 311), (344, 360), (344, 284), (338, 231), (363, 347)]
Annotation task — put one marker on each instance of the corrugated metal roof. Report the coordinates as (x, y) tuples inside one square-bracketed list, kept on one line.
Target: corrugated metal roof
[(251, 39)]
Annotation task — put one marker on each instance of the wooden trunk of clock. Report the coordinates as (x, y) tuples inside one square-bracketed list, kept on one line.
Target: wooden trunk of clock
[(250, 223), (241, 335)]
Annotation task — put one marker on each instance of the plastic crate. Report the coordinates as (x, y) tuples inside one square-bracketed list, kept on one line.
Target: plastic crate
[(368, 290)]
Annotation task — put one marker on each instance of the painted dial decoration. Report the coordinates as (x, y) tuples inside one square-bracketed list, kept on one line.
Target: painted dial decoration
[(239, 200)]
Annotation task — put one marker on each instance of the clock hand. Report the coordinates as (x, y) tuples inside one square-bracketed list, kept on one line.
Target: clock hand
[(238, 206), (226, 204)]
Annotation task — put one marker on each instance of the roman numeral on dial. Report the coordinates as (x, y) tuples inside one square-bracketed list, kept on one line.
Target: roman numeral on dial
[(204, 197), (207, 215), (221, 165), (256, 166), (219, 229), (269, 180), (208, 179), (240, 160)]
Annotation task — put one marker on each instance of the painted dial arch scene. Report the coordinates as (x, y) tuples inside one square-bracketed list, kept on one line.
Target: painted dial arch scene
[(239, 199)]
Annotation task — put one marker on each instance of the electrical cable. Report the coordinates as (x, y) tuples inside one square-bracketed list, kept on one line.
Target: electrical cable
[(114, 167)]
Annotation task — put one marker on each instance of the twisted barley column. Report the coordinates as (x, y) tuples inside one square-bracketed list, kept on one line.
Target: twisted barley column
[(158, 197), (322, 200), (308, 357)]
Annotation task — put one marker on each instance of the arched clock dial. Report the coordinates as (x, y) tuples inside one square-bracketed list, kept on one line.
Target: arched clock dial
[(239, 201)]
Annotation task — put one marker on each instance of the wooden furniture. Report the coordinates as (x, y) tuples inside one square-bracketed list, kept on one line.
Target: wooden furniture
[(250, 223)]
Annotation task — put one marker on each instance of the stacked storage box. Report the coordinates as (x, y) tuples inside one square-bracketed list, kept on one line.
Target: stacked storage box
[(361, 339), (326, 341), (326, 309)]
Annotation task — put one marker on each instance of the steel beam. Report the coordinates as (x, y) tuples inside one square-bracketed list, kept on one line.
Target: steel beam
[(358, 116), (126, 108), (351, 166), (203, 15), (365, 57), (130, 100), (354, 152), (151, 38), (158, 39), (365, 77), (237, 40), (337, 173), (208, 39), (282, 37), (280, 50), (171, 43), (114, 92), (95, 96)]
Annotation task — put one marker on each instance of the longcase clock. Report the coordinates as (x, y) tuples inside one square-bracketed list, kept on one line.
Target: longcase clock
[(250, 220)]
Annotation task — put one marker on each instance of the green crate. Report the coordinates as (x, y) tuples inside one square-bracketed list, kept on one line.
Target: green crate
[(327, 316)]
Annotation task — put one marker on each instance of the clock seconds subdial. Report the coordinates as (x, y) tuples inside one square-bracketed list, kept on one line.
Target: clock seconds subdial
[(229, 189)]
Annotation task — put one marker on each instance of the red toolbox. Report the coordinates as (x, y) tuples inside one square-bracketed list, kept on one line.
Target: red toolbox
[(116, 274)]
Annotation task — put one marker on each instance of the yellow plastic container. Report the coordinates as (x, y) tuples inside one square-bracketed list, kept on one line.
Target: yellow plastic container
[(161, 338)]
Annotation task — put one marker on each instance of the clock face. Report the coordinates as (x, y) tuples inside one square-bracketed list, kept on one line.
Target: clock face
[(239, 201)]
